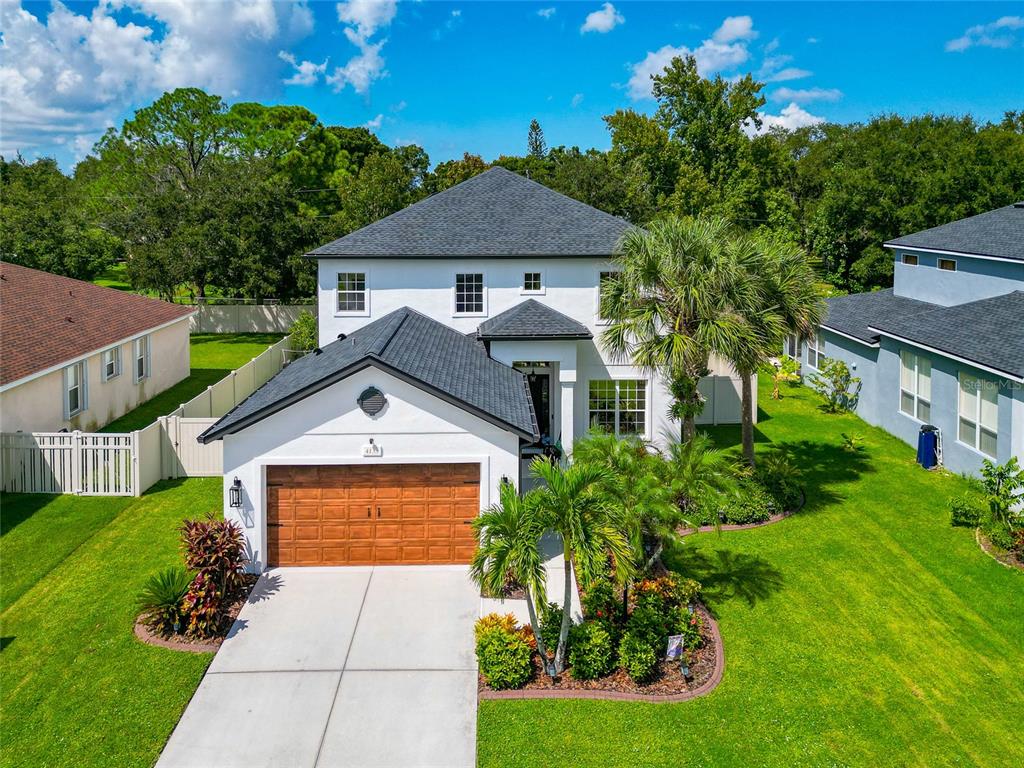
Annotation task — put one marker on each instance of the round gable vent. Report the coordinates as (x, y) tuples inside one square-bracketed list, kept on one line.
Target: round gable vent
[(372, 401)]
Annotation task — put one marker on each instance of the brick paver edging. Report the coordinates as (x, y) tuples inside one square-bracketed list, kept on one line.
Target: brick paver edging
[(731, 527), (711, 683)]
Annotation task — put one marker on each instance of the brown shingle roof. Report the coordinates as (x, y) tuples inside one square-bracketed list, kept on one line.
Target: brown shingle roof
[(46, 319)]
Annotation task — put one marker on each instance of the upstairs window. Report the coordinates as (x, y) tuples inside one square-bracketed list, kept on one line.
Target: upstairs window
[(910, 259), (815, 351), (979, 414), (141, 359), (111, 360), (948, 264), (618, 406), (533, 282), (469, 293), (351, 292), (74, 389), (915, 386)]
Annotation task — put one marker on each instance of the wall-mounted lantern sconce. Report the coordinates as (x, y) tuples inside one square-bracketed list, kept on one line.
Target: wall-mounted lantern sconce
[(505, 480), (235, 493)]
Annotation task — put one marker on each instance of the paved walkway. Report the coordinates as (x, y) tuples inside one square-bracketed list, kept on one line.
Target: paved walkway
[(340, 667)]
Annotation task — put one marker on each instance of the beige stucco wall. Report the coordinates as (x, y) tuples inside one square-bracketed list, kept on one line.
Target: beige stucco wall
[(38, 404)]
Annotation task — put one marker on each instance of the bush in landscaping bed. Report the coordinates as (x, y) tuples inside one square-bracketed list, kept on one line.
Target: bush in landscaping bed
[(781, 478), (160, 602), (504, 658), (964, 511), (591, 655), (637, 658), (215, 549), (750, 504), (652, 624), (689, 625), (550, 625), (506, 622)]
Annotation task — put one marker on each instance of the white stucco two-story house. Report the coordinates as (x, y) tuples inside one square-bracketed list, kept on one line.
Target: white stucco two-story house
[(459, 338)]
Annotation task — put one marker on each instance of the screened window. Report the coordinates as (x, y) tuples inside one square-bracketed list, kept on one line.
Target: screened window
[(915, 385), (910, 259), (111, 363), (74, 389), (469, 293), (532, 282), (815, 351), (979, 414), (141, 358), (351, 291), (618, 406), (948, 264)]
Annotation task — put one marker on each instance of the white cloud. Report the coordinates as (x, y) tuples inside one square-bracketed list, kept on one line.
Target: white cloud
[(604, 20), (1000, 33), (547, 13), (375, 123), (68, 75), (773, 66), (363, 18), (805, 95), (789, 73), (812, 40), (735, 28), (790, 118), (577, 99), (306, 72)]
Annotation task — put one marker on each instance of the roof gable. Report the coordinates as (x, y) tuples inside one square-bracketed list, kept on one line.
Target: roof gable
[(496, 213), (423, 351), (50, 319), (532, 320), (998, 233)]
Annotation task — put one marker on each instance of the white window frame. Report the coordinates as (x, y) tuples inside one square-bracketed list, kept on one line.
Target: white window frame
[(81, 387), (597, 301), (524, 291), (916, 260), (975, 385), (815, 345), (483, 293), (365, 311), (940, 259), (617, 411), (108, 356), (919, 368), (141, 351)]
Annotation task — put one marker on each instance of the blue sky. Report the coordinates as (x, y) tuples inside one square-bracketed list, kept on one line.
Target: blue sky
[(469, 76)]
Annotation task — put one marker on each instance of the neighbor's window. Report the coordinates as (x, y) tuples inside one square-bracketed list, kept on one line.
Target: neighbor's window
[(618, 406), (915, 385), (351, 292), (532, 282), (815, 351), (74, 389), (111, 363), (979, 413), (948, 264), (141, 357), (604, 278), (910, 259), (469, 293)]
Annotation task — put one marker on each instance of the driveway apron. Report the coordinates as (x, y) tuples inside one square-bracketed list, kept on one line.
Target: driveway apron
[(351, 666)]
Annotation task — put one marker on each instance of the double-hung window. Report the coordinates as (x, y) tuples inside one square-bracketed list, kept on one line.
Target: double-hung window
[(533, 282), (815, 351), (618, 406), (910, 259), (469, 293), (111, 361), (915, 385), (979, 414), (74, 389), (140, 359), (351, 293)]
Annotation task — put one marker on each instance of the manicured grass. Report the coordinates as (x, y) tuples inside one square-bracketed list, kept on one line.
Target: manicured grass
[(865, 631), (213, 356), (77, 688)]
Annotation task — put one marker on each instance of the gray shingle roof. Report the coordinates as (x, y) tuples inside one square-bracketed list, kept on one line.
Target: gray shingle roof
[(989, 332), (532, 320), (411, 346), (997, 233), (496, 213), (854, 314)]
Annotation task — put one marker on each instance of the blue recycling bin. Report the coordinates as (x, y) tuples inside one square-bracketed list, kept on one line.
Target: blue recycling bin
[(928, 446)]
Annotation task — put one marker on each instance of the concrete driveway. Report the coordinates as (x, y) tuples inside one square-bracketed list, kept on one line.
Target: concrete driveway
[(340, 667)]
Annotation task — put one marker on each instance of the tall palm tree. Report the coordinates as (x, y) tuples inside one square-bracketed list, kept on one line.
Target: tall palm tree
[(674, 303), (571, 503), (509, 534)]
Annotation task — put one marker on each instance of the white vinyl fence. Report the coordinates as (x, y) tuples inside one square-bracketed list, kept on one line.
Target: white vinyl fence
[(246, 318), (100, 464)]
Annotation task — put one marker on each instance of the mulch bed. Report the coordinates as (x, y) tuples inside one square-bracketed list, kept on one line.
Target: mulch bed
[(706, 666), (510, 592), (1009, 559), (746, 526), (193, 645)]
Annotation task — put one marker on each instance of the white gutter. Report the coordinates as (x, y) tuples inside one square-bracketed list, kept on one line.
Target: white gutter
[(72, 360), (951, 356)]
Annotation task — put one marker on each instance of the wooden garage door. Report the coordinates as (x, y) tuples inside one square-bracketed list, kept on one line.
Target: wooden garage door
[(372, 515)]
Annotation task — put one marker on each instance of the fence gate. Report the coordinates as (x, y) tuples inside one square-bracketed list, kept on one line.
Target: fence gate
[(188, 457)]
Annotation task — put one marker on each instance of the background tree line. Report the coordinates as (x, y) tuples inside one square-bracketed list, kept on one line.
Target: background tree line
[(200, 197)]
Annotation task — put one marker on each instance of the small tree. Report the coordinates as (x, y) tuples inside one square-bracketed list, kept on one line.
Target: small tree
[(837, 385), (1004, 486), (783, 370)]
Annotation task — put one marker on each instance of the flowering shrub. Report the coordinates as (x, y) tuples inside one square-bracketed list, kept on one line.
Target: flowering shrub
[(689, 625)]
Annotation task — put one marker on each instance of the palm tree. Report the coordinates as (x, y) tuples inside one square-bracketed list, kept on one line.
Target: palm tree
[(572, 504), (696, 469), (674, 303), (509, 534)]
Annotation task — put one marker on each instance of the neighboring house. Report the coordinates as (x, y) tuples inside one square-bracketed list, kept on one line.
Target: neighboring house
[(945, 345), (459, 340), (76, 356)]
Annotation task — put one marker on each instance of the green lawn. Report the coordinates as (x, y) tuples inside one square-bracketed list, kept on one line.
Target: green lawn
[(214, 356), (77, 688), (865, 631)]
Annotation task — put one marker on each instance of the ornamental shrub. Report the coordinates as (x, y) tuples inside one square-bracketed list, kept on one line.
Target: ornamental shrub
[(689, 625), (600, 600), (637, 658), (590, 655), (781, 478), (550, 625), (964, 511), (504, 658), (215, 549), (650, 624), (506, 622), (688, 591), (750, 504), (160, 600), (834, 382)]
